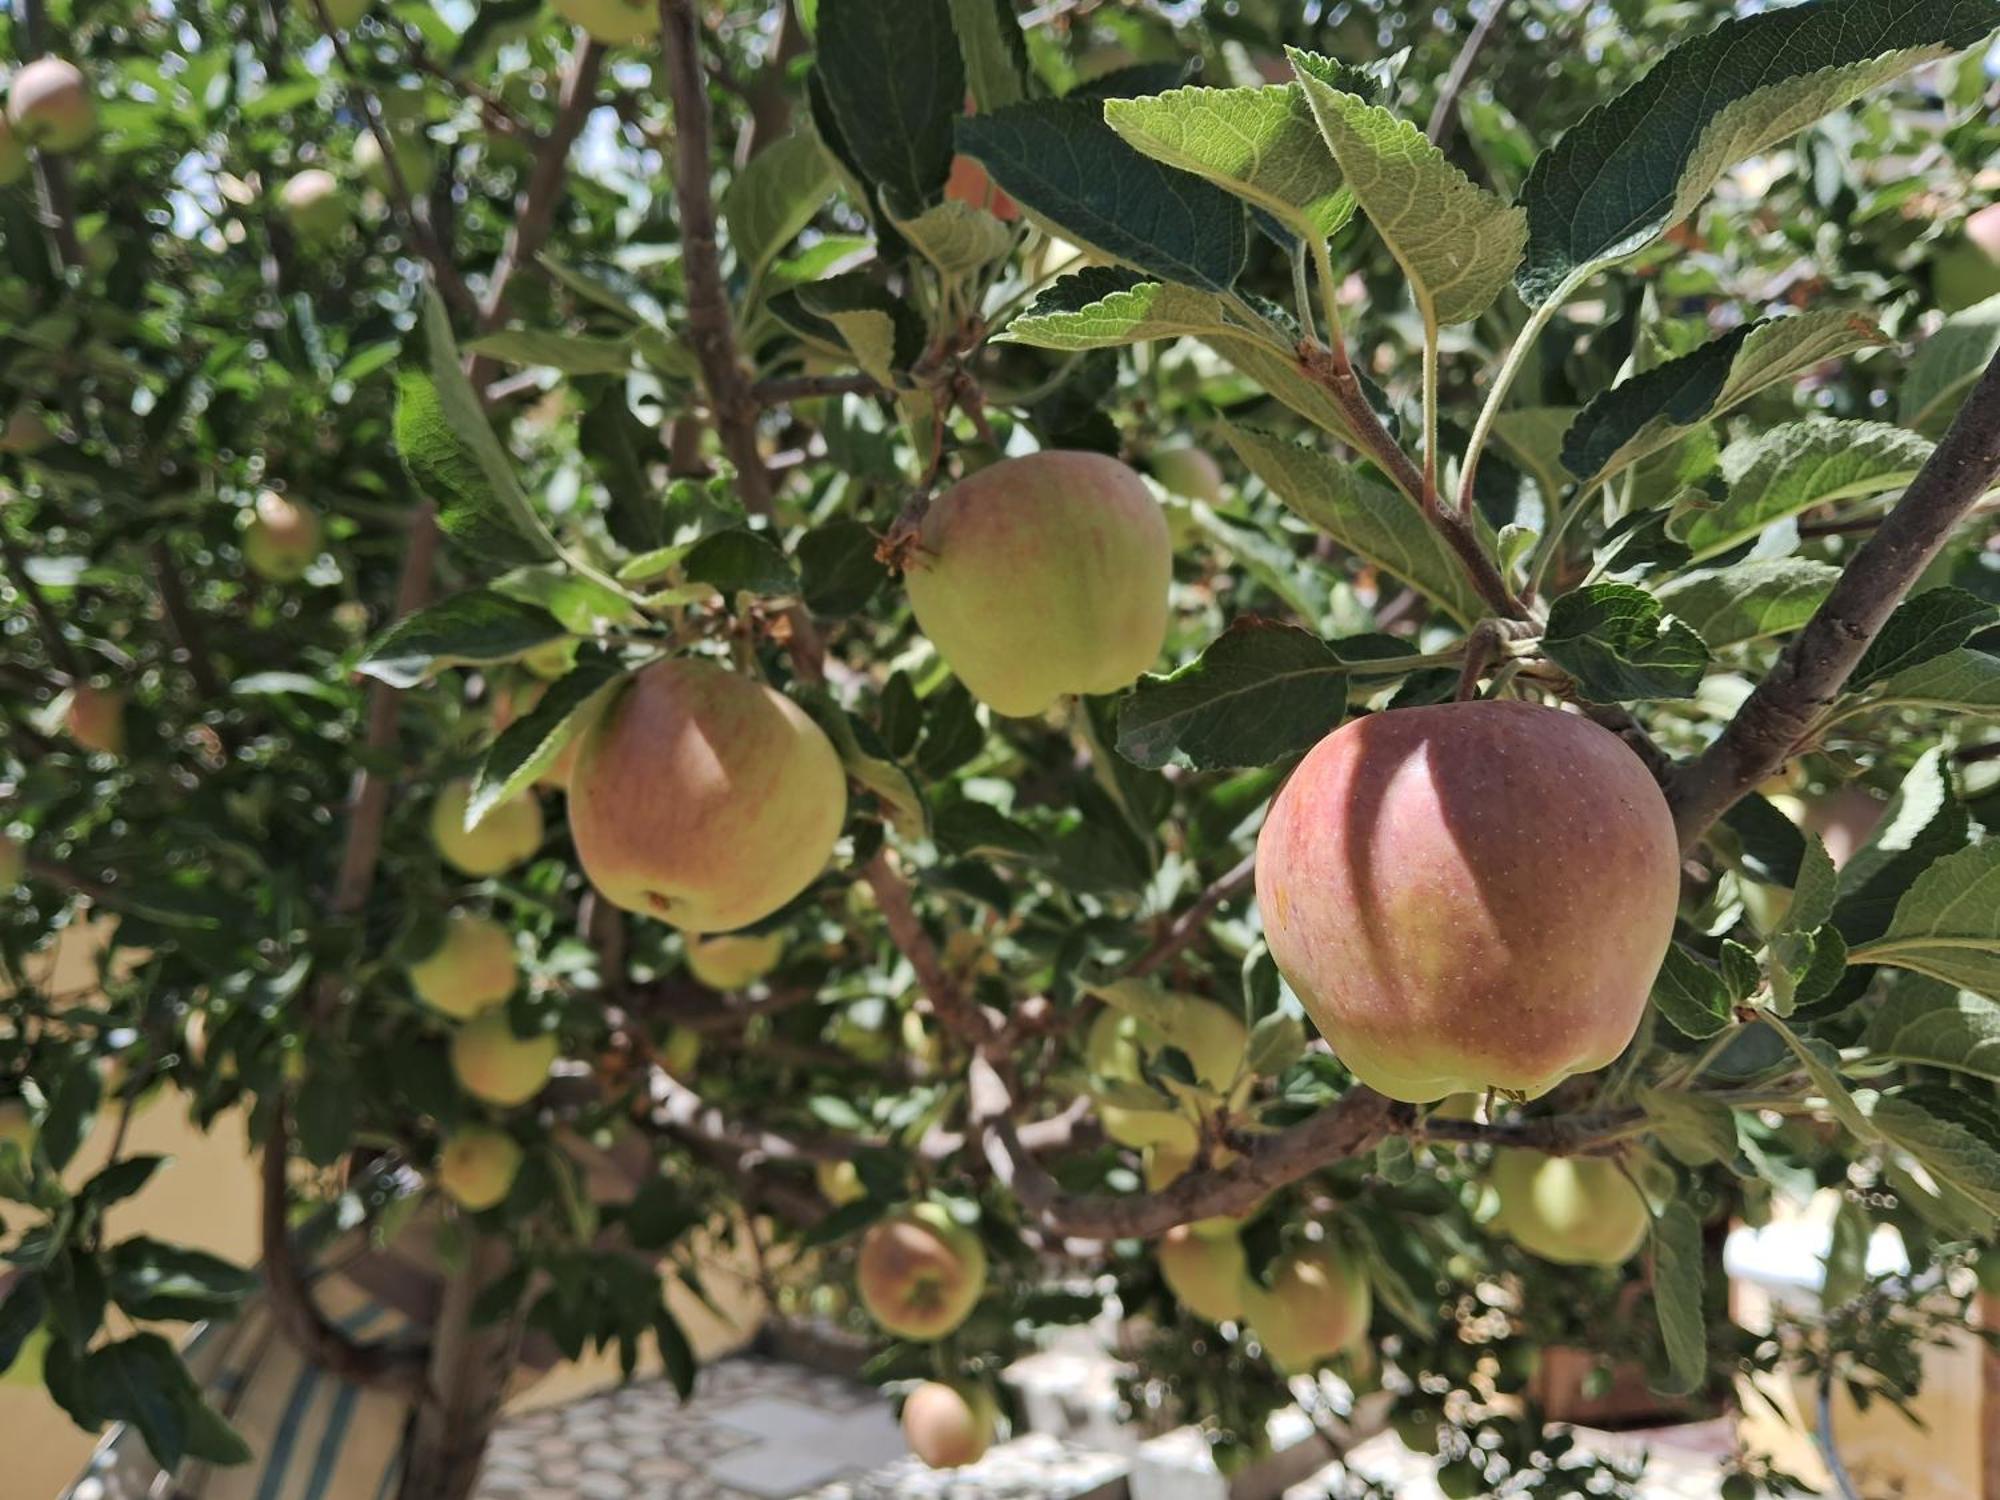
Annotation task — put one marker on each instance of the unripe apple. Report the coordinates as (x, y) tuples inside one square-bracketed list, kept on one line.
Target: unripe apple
[(314, 204), (1205, 1272), (493, 1064), (839, 1182), (612, 21), (13, 863), (281, 539), (413, 158), (920, 1273), (1189, 473), (506, 836), (50, 106), (27, 431), (949, 1426), (96, 719), (729, 962), (704, 799), (1573, 1210), (472, 969), (970, 185), (13, 155), (477, 1166), (1317, 1304), (1041, 576), (1470, 895)]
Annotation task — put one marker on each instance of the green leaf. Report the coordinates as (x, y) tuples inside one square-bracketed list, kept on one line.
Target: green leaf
[(994, 49), (120, 1180), (142, 1381), (1677, 1283), (1794, 467), (572, 353), (1457, 243), (1533, 438), (1923, 627), (1103, 308), (1632, 168), (740, 560), (894, 80), (21, 1312), (152, 1280), (957, 238), (1814, 892), (1695, 1129), (1656, 408), (1260, 693), (1953, 1134), (1751, 601), (868, 762), (1276, 1042), (1948, 924), (1923, 822), (1947, 364), (1964, 681), (1066, 167), (526, 748), (1258, 143), (1935, 1025), (475, 628), (882, 331), (838, 570), (1691, 995), (448, 446), (1615, 641), (1372, 522), (775, 196)]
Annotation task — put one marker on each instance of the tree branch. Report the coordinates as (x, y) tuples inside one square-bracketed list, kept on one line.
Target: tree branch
[(1819, 659), (784, 388), (1444, 115), (954, 1007), (1188, 926)]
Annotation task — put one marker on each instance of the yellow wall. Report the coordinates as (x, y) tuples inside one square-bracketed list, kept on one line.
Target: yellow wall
[(206, 1197)]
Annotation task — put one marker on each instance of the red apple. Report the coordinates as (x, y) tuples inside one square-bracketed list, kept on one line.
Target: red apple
[(50, 106), (948, 1426), (920, 1273), (1317, 1304), (970, 185), (1470, 896)]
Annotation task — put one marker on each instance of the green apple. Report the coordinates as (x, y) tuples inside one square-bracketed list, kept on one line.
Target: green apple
[(477, 1166), (1206, 1272), (472, 969), (281, 538), (506, 836), (1189, 473), (1573, 1210), (49, 104), (730, 962), (493, 1064), (839, 1182), (920, 1273), (1317, 1304)]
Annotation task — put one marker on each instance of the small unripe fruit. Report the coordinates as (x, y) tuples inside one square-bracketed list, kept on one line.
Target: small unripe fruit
[(1189, 473), (27, 431), (477, 1166), (948, 1426), (612, 21), (839, 1182), (493, 1064), (1205, 1272), (1318, 1304), (1573, 1210), (281, 539), (314, 204), (969, 184), (1041, 576), (472, 969), (413, 159), (704, 799), (13, 155), (920, 1273), (96, 719), (506, 836), (728, 962), (1470, 895), (50, 106)]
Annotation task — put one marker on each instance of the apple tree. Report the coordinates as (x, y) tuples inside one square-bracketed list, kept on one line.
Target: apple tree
[(1322, 670)]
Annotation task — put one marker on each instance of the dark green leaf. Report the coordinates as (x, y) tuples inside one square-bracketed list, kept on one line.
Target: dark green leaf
[(1677, 1280), (473, 628), (742, 561), (1691, 995), (892, 74), (1618, 644), (533, 743), (120, 1180), (21, 1313), (152, 1280), (1066, 166), (1923, 626), (839, 572), (1262, 691)]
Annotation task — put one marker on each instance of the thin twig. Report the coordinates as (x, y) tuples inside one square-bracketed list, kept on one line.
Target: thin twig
[(1816, 664), (946, 996), (1444, 115), (784, 388), (1189, 925)]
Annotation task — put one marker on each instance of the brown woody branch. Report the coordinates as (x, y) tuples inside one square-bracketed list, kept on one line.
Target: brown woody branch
[(784, 388), (1188, 926), (954, 1007), (1810, 673)]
